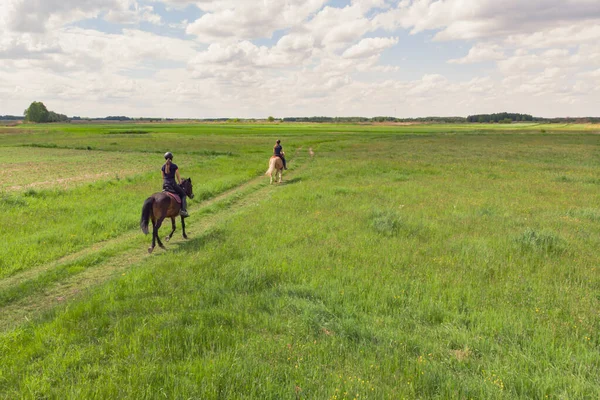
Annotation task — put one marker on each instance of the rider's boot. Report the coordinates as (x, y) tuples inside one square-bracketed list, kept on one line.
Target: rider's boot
[(183, 212)]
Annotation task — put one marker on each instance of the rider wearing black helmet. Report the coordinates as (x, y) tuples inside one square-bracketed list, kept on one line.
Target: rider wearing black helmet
[(170, 171), (278, 151)]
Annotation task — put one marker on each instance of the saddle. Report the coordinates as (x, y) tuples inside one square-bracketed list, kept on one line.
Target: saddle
[(168, 189), (174, 196)]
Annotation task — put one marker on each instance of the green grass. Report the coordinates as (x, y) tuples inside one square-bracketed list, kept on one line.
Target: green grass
[(399, 262)]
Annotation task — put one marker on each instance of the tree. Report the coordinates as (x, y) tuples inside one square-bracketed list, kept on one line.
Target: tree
[(54, 117), (271, 119), (500, 117), (37, 112)]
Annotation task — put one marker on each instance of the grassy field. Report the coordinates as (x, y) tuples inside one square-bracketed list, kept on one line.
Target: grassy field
[(424, 261)]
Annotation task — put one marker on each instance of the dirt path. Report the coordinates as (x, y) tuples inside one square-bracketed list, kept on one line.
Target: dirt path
[(124, 252)]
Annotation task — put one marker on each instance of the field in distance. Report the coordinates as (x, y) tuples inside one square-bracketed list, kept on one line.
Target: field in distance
[(421, 261)]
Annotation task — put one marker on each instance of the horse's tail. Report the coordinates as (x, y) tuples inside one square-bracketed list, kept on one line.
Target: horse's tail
[(146, 211), (272, 164)]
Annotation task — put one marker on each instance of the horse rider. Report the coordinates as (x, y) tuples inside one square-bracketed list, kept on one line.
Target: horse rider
[(170, 171), (278, 152)]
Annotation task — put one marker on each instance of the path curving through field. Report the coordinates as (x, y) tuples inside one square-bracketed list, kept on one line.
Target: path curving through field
[(26, 295)]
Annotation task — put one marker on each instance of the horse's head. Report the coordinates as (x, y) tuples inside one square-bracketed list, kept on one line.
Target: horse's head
[(186, 185)]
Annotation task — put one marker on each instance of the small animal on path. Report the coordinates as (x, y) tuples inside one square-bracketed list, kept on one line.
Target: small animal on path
[(160, 206), (275, 168)]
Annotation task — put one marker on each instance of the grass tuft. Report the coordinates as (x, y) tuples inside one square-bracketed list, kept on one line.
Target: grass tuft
[(11, 201), (564, 178), (387, 223), (544, 242), (40, 194), (391, 223), (590, 214)]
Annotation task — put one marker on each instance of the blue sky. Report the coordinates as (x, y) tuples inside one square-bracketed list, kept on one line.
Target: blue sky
[(243, 58)]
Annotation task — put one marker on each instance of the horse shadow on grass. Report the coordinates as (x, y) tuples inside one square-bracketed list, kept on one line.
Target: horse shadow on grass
[(195, 243), (291, 181)]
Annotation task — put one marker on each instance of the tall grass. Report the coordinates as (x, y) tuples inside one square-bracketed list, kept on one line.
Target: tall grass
[(428, 266)]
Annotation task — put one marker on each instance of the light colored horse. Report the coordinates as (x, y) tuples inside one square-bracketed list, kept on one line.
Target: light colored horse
[(275, 167)]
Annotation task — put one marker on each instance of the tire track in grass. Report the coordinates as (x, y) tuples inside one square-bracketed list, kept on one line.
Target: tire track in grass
[(114, 242), (25, 296), (36, 278), (47, 294)]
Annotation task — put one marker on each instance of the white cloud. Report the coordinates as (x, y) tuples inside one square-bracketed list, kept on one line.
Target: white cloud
[(479, 53), (464, 20), (369, 47), (337, 27), (133, 15), (87, 66), (23, 47), (39, 16), (312, 57), (250, 19), (367, 5), (246, 63), (571, 34), (525, 61), (591, 75)]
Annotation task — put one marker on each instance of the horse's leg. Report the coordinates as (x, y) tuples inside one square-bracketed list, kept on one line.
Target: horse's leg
[(280, 173), (151, 248), (158, 225), (173, 231), (183, 227)]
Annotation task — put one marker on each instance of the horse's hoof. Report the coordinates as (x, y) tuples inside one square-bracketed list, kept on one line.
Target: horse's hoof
[(185, 236), (163, 247), (167, 239), (150, 249)]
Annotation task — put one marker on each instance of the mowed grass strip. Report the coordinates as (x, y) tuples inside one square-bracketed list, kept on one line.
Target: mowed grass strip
[(50, 168), (401, 267)]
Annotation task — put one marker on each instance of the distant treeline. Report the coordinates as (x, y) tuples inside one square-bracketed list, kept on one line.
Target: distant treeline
[(437, 120), (515, 117), (122, 118), (479, 118), (37, 112), (326, 119), (500, 117), (346, 120), (569, 120)]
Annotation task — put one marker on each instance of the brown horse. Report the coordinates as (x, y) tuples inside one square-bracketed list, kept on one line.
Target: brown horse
[(275, 166), (160, 206)]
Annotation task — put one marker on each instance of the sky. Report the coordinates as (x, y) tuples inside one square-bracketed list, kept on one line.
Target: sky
[(284, 58)]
